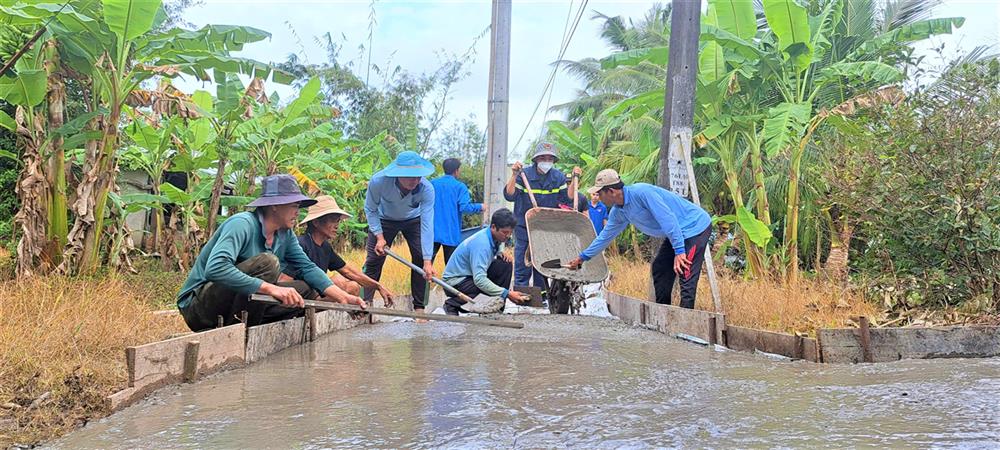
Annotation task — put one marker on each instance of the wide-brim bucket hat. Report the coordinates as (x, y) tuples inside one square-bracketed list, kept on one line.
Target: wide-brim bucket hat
[(325, 205), (409, 164), (281, 189), (543, 149)]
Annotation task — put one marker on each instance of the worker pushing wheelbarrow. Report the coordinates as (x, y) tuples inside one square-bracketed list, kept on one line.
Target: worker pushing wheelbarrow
[(548, 230)]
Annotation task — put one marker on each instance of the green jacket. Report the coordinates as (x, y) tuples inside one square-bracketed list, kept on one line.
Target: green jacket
[(241, 237)]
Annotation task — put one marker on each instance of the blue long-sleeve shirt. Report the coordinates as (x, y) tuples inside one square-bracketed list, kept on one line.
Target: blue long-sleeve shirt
[(550, 189), (656, 212), (384, 200), (239, 238), (451, 200), (472, 258)]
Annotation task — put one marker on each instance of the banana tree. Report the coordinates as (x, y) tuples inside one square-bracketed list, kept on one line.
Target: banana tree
[(112, 48), (272, 138)]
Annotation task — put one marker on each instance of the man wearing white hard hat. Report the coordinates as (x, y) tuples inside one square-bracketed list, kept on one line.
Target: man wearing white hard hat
[(659, 213), (321, 221)]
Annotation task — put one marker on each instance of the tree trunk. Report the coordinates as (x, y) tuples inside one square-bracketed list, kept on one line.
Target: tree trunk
[(58, 226), (792, 222), (217, 186), (33, 192), (841, 233), (81, 255)]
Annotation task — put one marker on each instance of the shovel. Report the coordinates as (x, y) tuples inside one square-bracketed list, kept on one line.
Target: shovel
[(486, 307), (557, 264)]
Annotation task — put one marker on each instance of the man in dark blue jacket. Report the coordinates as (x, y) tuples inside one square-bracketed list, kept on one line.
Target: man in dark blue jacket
[(550, 189), (451, 200)]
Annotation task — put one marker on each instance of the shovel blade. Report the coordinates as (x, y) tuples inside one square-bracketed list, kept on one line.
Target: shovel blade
[(552, 264)]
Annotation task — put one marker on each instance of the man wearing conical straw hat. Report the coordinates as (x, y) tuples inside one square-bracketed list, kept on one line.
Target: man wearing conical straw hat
[(321, 221)]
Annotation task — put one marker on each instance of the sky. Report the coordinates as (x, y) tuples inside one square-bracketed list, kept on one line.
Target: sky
[(414, 34)]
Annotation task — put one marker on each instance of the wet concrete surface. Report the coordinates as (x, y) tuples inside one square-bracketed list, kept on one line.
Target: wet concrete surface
[(581, 382)]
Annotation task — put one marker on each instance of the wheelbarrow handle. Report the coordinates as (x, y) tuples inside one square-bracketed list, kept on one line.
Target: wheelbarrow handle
[(437, 280)]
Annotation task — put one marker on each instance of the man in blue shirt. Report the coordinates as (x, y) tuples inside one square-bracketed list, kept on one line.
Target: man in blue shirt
[(550, 189), (658, 213), (478, 265), (598, 213), (451, 200), (401, 200)]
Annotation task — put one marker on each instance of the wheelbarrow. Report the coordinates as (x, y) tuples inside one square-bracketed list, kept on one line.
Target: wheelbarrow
[(556, 236)]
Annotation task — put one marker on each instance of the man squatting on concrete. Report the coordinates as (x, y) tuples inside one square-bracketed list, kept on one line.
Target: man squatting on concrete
[(246, 255), (480, 266), (321, 221), (658, 213), (451, 200), (551, 190), (401, 200)]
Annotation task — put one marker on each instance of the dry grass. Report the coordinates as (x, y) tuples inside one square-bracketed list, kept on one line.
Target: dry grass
[(759, 304), (62, 346)]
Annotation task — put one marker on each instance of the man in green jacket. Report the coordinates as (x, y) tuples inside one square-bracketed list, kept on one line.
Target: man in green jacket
[(246, 255)]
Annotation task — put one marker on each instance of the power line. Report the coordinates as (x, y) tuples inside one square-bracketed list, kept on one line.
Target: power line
[(552, 75)]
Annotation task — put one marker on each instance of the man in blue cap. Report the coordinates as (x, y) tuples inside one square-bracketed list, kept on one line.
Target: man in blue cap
[(246, 255), (401, 201), (658, 213), (451, 200), (550, 189)]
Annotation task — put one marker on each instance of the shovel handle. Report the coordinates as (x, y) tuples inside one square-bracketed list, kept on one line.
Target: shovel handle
[(527, 187), (576, 192), (437, 280)]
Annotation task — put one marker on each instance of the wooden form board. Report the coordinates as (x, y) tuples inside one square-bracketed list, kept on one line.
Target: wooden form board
[(749, 340), (843, 345), (330, 321), (671, 320), (163, 362), (264, 340), (158, 364)]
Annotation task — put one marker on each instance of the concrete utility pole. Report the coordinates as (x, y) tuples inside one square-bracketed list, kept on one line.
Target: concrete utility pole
[(678, 111), (676, 171), (496, 149)]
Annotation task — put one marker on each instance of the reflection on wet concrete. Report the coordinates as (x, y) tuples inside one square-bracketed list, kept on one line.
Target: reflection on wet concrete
[(560, 382)]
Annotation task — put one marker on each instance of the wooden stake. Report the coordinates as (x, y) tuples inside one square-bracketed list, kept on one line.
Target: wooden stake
[(866, 340), (191, 361), (221, 322), (130, 364), (311, 323), (712, 331)]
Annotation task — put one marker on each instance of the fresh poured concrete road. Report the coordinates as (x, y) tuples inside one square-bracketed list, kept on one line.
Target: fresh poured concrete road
[(562, 381)]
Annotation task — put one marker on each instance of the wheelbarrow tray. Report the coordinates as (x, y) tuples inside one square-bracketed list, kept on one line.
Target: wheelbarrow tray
[(562, 234)]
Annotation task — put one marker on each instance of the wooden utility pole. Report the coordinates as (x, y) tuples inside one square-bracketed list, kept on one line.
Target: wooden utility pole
[(676, 172), (496, 149)]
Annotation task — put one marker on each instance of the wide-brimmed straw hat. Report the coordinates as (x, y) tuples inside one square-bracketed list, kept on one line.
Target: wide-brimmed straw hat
[(324, 205), (409, 164), (281, 189)]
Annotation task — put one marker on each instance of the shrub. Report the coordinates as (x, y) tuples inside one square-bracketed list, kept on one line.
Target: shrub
[(927, 193)]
